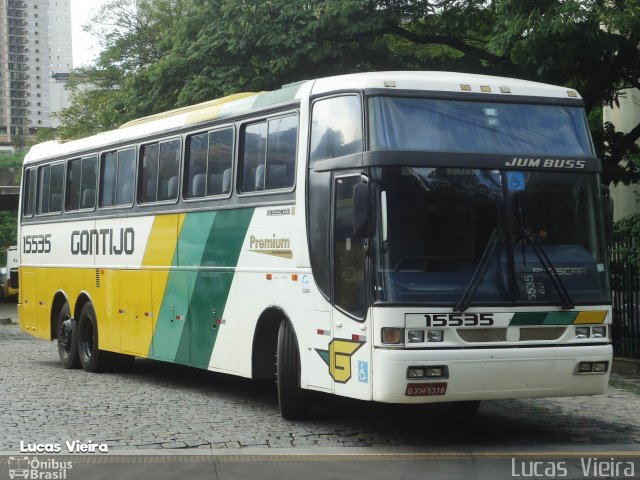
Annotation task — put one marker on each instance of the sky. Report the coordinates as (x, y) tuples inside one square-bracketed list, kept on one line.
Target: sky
[(85, 47)]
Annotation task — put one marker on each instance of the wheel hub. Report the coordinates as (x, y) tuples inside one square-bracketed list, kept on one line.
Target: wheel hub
[(64, 334)]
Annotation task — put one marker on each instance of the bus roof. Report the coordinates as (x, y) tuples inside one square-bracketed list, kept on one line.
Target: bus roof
[(243, 103)]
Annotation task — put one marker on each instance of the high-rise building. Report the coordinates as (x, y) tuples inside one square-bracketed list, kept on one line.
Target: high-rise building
[(35, 61)]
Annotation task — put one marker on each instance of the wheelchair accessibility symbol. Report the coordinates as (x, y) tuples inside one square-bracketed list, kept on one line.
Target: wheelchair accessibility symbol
[(516, 181), (363, 371)]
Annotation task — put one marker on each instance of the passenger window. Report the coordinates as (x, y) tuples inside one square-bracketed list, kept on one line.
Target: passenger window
[(253, 155), (209, 163), (29, 198), (117, 170), (159, 171), (336, 128), (50, 188), (269, 154), (126, 174), (81, 183)]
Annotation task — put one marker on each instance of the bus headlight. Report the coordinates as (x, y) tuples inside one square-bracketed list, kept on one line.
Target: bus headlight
[(598, 332), (392, 336), (582, 332), (435, 335), (435, 372), (600, 367), (584, 367), (439, 371), (416, 336)]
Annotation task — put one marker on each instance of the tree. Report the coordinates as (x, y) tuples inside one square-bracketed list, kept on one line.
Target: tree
[(171, 53), (8, 229)]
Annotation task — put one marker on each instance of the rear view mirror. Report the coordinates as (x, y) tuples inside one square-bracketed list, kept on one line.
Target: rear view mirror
[(363, 212)]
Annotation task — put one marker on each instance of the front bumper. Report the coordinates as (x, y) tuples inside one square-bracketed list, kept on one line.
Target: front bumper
[(491, 373)]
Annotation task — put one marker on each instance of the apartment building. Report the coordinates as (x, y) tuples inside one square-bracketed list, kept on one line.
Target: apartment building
[(35, 61)]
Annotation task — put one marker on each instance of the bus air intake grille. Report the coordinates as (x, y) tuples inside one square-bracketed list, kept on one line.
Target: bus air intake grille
[(97, 278), (478, 335), (541, 333)]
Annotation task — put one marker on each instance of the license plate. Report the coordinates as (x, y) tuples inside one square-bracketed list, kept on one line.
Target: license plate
[(425, 389)]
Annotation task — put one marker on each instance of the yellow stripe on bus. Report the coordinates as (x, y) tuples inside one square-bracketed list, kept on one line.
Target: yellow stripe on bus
[(593, 316)]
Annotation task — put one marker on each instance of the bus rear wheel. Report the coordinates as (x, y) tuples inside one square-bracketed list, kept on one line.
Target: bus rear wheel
[(291, 398), (67, 335), (91, 358)]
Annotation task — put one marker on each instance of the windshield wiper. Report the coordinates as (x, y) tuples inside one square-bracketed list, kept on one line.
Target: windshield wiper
[(532, 239), (471, 289)]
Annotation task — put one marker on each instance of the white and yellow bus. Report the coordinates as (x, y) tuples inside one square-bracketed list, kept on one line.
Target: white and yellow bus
[(403, 237)]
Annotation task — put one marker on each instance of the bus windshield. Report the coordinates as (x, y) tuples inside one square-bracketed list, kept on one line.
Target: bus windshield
[(442, 221), (423, 124)]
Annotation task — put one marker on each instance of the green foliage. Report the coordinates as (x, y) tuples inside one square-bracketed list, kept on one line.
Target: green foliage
[(628, 230), (13, 161), (628, 227), (8, 229), (43, 135), (170, 53)]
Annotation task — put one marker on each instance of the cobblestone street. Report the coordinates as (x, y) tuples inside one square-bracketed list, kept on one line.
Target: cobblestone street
[(157, 405)]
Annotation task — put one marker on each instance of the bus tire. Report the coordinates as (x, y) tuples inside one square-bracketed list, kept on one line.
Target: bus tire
[(469, 406), (91, 358), (67, 334), (291, 398)]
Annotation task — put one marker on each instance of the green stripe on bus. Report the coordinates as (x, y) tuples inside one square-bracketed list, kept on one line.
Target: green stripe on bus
[(211, 289), (560, 318), (171, 323), (528, 318)]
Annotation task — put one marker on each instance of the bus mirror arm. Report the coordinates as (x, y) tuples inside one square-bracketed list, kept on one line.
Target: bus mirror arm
[(363, 218), (607, 203)]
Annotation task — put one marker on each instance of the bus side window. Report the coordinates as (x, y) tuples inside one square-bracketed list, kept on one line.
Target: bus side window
[(196, 164), (159, 170), (336, 128), (116, 179), (253, 154), (219, 161), (29, 193), (108, 166), (269, 154), (126, 173), (281, 152), (81, 183), (168, 167), (149, 172), (50, 188)]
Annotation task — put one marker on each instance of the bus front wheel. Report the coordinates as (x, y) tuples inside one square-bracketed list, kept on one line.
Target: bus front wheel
[(67, 339), (91, 359), (291, 398)]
